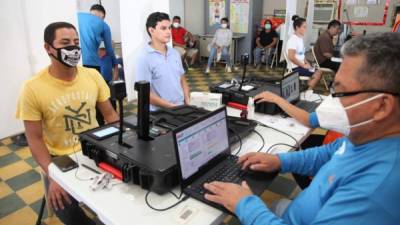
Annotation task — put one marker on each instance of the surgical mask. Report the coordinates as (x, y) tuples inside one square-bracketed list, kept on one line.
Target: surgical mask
[(268, 26), (175, 25), (69, 55), (224, 25), (332, 114)]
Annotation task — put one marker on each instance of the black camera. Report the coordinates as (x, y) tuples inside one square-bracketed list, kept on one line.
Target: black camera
[(244, 59)]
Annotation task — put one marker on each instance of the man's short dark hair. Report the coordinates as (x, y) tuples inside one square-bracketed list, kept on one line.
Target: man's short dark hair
[(98, 7), (334, 23), (381, 65), (154, 18), (225, 19), (177, 18), (50, 30)]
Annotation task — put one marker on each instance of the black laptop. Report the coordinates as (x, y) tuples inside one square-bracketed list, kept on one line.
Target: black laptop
[(290, 90), (204, 155)]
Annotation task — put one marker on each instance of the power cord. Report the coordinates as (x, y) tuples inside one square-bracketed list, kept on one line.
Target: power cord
[(282, 132), (75, 140), (270, 148), (240, 141), (262, 138), (169, 207)]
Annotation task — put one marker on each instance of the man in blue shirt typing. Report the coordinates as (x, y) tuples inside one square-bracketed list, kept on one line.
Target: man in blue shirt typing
[(356, 178), (161, 65), (92, 31)]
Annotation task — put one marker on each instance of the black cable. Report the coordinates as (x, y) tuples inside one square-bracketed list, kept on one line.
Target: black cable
[(169, 207), (240, 140), (269, 149), (282, 132), (263, 141)]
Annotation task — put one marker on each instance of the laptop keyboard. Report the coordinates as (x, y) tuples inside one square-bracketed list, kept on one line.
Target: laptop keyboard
[(230, 172)]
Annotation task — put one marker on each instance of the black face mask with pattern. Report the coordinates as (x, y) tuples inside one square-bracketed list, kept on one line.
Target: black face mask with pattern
[(69, 55)]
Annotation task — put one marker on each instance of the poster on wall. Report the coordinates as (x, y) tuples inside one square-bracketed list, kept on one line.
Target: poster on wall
[(239, 14), (216, 11)]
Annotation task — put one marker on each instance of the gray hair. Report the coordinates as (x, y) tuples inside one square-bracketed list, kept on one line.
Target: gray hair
[(381, 67)]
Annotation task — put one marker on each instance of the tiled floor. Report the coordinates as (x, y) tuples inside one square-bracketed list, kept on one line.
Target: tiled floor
[(21, 189)]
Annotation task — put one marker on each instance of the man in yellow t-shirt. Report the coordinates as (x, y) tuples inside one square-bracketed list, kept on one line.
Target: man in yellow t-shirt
[(56, 105)]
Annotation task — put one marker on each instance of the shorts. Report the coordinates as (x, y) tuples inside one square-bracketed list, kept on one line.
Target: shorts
[(303, 72), (191, 52), (181, 50)]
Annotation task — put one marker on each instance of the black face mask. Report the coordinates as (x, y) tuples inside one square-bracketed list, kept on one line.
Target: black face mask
[(69, 55)]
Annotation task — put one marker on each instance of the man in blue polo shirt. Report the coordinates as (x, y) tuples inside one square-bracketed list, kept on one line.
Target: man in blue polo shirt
[(92, 31), (356, 178), (161, 65)]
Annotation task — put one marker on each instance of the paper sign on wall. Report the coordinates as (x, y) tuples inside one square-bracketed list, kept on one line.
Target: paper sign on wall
[(239, 15), (216, 11), (360, 11)]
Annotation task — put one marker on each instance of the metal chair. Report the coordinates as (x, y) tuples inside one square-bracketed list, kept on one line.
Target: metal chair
[(323, 69)]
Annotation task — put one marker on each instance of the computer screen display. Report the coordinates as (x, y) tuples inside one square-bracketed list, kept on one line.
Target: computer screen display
[(201, 142), (291, 87)]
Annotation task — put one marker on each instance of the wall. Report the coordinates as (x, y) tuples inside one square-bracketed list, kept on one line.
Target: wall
[(22, 49), (134, 35), (195, 16), (177, 8)]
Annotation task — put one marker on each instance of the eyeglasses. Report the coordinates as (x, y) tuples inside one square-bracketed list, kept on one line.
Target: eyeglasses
[(351, 93)]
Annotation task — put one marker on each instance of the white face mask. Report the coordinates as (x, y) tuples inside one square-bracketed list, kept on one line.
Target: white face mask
[(176, 25), (224, 25), (332, 115)]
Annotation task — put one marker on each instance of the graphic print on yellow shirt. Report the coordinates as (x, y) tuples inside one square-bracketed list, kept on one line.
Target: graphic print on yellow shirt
[(65, 108)]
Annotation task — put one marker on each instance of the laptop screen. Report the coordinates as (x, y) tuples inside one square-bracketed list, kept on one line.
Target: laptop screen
[(291, 87), (201, 142)]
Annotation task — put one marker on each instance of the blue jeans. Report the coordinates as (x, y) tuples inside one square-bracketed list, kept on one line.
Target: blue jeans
[(224, 55), (268, 55), (72, 213)]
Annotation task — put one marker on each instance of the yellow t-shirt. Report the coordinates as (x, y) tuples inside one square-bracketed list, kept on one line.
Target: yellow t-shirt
[(65, 108)]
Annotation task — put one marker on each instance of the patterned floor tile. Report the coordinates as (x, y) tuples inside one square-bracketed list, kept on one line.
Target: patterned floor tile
[(8, 159), (25, 215), (36, 207), (24, 152), (283, 186), (6, 141), (32, 193), (10, 204), (4, 150), (23, 180), (5, 189), (31, 161), (14, 169)]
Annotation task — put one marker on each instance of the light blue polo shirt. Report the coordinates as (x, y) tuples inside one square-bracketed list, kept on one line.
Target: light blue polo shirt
[(164, 73)]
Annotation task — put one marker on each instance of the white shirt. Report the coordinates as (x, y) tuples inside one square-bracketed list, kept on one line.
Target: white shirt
[(296, 43), (222, 37)]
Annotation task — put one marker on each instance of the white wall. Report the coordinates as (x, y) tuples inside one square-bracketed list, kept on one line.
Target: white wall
[(177, 8), (134, 35), (195, 16), (22, 49)]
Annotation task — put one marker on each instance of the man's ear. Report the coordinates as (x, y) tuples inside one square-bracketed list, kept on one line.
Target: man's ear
[(386, 107), (47, 47), (151, 30)]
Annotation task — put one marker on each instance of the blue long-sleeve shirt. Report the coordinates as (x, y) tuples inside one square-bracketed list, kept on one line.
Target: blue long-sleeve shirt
[(351, 185), (93, 30)]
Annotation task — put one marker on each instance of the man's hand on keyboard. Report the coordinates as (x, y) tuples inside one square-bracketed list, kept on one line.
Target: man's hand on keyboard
[(258, 161), (227, 194)]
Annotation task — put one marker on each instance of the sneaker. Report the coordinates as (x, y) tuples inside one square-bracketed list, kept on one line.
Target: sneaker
[(258, 67), (228, 69), (207, 70)]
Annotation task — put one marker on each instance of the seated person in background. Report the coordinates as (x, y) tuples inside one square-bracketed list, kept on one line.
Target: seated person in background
[(356, 178), (161, 65), (56, 105), (324, 46), (108, 65), (266, 42), (220, 46), (296, 53), (179, 36)]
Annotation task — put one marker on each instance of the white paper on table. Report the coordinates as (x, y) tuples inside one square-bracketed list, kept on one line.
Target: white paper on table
[(289, 125)]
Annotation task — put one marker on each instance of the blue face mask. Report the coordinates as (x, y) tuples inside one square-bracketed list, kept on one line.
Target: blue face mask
[(267, 26)]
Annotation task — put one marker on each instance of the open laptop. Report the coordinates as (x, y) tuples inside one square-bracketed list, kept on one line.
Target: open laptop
[(204, 155), (290, 90)]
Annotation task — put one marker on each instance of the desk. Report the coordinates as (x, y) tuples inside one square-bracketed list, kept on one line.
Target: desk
[(206, 39), (124, 203)]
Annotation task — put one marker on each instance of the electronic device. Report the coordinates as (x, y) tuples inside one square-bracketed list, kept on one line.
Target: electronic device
[(203, 155), (104, 133), (143, 127), (64, 163)]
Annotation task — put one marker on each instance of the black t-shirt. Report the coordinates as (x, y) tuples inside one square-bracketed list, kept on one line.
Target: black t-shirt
[(267, 38)]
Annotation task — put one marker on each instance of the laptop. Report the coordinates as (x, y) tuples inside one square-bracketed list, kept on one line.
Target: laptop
[(290, 90), (203, 155)]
